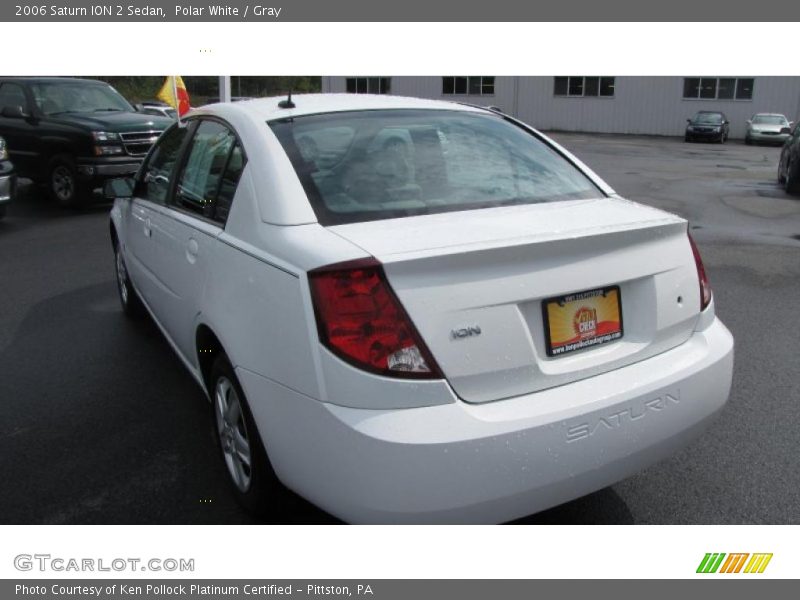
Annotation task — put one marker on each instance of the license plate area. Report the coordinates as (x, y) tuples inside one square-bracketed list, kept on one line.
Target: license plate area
[(582, 320)]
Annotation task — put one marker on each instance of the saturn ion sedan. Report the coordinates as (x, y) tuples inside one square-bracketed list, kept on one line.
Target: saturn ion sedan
[(416, 311)]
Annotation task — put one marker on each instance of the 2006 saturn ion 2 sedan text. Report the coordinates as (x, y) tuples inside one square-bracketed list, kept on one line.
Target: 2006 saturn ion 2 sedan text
[(416, 311)]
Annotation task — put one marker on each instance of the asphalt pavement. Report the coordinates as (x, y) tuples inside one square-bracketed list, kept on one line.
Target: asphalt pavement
[(100, 423)]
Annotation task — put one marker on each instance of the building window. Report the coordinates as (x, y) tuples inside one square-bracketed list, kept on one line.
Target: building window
[(369, 85), (472, 86), (718, 88), (580, 86)]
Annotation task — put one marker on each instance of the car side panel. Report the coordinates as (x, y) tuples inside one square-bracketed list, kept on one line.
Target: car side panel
[(258, 311)]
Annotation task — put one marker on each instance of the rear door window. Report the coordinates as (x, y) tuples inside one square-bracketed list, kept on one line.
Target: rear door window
[(211, 172), (12, 95)]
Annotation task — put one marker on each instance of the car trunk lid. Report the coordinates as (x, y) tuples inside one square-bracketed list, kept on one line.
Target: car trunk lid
[(474, 284)]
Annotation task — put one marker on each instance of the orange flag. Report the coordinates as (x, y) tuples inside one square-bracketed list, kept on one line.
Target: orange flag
[(174, 93)]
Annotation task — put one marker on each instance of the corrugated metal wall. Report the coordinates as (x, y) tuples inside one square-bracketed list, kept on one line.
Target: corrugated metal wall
[(641, 105)]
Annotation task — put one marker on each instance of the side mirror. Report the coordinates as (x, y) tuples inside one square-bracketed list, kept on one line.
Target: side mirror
[(13, 112), (749, 122), (688, 120), (138, 107), (727, 122), (122, 187), (786, 130)]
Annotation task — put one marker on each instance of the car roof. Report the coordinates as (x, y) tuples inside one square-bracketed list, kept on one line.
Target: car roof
[(267, 109), (54, 80), (769, 115)]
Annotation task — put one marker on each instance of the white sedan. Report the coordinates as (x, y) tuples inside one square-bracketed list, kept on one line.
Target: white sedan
[(416, 311)]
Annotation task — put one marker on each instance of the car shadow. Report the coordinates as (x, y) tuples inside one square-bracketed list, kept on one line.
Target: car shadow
[(32, 202), (604, 507), (101, 423)]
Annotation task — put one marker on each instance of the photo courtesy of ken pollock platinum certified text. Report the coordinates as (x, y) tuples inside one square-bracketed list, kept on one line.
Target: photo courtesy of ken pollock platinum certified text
[(193, 589)]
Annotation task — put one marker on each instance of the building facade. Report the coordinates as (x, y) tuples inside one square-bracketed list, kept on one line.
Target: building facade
[(628, 104)]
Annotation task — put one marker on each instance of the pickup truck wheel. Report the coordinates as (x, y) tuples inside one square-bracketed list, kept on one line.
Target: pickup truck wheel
[(131, 304), (62, 182), (250, 473)]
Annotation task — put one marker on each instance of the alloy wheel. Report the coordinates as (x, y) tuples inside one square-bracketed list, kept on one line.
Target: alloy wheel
[(63, 183), (122, 277), (233, 435)]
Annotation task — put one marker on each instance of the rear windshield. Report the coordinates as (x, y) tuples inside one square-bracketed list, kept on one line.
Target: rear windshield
[(383, 164)]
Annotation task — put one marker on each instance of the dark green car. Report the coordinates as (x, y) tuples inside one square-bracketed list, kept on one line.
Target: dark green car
[(73, 134)]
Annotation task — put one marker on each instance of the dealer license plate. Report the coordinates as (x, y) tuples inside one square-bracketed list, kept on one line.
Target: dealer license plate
[(582, 320)]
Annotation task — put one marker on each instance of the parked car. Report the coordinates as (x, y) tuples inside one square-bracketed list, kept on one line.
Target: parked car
[(789, 163), (707, 125), (158, 108), (463, 325), (769, 128), (73, 134), (8, 179)]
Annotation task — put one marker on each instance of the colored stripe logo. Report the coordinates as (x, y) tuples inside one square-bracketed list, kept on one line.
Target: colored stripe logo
[(719, 562)]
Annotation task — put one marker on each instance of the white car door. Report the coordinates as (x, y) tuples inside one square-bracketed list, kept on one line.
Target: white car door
[(185, 230), (150, 193)]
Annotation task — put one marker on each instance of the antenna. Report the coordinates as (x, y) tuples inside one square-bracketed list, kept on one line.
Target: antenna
[(288, 102)]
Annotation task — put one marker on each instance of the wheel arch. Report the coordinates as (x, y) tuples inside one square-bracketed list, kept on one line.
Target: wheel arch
[(207, 346)]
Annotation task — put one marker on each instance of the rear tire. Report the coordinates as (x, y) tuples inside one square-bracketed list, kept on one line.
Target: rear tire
[(252, 479), (131, 304)]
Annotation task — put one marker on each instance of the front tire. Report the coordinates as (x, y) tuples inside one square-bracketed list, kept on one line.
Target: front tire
[(748, 140), (792, 184), (250, 473), (781, 177), (131, 304), (62, 182)]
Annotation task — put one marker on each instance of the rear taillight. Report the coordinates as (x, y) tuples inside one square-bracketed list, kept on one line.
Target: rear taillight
[(360, 319), (705, 288)]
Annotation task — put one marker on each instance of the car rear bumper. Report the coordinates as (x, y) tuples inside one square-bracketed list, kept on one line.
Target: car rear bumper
[(497, 461)]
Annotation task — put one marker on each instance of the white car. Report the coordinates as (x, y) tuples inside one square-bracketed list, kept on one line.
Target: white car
[(771, 128), (417, 311)]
